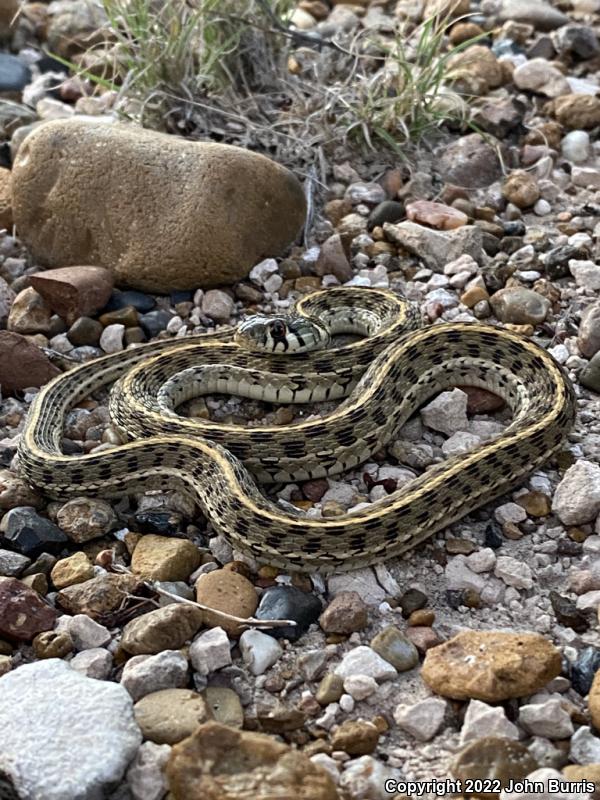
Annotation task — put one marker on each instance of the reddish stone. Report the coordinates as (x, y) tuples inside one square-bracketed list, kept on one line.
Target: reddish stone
[(315, 489), (480, 401), (74, 292), (436, 215), (22, 363), (422, 638), (333, 260), (23, 612)]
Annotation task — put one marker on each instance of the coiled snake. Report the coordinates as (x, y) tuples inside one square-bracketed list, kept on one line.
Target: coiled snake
[(384, 377)]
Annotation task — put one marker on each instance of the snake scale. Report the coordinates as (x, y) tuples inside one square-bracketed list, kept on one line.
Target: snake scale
[(383, 378)]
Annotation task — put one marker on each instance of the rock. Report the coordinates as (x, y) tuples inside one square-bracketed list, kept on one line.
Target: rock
[(493, 758), (170, 715), (585, 747), (14, 492), (584, 669), (22, 364), (12, 564), (436, 215), (332, 258), (99, 596), (590, 375), (227, 591), (470, 162), (345, 614), (557, 260), (577, 497), (577, 40), (539, 75), (330, 689), (151, 673), (6, 218), (71, 764), (145, 775), (422, 720), (29, 313), (225, 705), (447, 412), (460, 577), (14, 74), (289, 602), (52, 644), (111, 340), (259, 651), (217, 305), (363, 660), (586, 274), (549, 785), (86, 518), (594, 701), (575, 146), (490, 665), (73, 292), (482, 720), (210, 651), (85, 332), (74, 26), (86, 634), (548, 719), (162, 558), (175, 202), (74, 569), (475, 70), (387, 211), (520, 306), (23, 612), (588, 177), (536, 504), (482, 560), (368, 193), (436, 248), (498, 116), (355, 737), (359, 687), (166, 628), (224, 762), (576, 111), (29, 534), (9, 10), (589, 772), (521, 189), (7, 297), (361, 581), (392, 645), (514, 572), (567, 612), (94, 663), (535, 12)]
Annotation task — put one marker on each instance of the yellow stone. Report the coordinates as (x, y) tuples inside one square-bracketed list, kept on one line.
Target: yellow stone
[(74, 569), (162, 558)]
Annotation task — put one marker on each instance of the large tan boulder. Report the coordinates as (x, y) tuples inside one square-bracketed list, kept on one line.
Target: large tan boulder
[(221, 763), (160, 212)]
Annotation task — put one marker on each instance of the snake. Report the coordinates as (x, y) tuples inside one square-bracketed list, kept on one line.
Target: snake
[(381, 375)]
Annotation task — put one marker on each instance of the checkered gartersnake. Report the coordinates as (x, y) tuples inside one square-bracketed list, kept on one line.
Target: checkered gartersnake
[(385, 377)]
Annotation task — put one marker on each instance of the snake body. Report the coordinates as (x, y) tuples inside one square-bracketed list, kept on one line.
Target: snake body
[(384, 377)]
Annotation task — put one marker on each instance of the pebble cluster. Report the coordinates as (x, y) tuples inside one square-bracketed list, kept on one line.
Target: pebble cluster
[(477, 655)]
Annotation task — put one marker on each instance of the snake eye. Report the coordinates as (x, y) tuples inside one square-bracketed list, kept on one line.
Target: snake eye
[(278, 329)]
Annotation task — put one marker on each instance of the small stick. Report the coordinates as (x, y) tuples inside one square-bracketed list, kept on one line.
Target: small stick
[(250, 622)]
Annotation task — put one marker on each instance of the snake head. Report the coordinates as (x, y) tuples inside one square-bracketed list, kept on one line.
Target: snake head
[(269, 334)]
